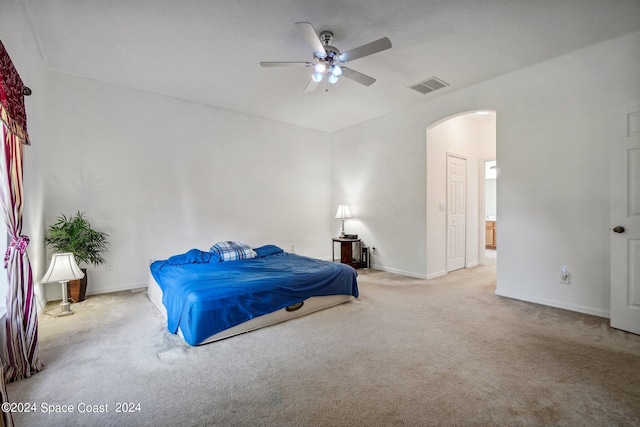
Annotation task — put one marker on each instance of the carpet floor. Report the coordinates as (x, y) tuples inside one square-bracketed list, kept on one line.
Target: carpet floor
[(408, 352)]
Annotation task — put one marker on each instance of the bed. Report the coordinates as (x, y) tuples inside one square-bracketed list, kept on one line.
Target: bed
[(206, 298)]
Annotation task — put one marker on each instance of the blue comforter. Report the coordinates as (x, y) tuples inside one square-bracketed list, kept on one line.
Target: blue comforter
[(204, 296)]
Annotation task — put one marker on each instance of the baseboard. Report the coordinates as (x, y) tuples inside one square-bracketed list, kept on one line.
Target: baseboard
[(445, 272), (401, 272), (436, 274), (557, 304), (126, 287)]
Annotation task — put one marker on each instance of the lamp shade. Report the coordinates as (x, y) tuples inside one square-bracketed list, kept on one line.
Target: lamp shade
[(63, 267), (343, 212)]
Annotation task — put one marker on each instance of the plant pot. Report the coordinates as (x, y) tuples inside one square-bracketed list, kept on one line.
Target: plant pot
[(77, 289)]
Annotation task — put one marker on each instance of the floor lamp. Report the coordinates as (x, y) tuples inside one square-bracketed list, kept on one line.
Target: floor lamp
[(63, 268)]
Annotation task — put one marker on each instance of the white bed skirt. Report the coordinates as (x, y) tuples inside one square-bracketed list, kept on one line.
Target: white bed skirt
[(310, 305)]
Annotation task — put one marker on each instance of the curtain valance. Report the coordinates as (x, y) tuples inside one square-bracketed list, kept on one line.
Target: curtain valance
[(12, 110)]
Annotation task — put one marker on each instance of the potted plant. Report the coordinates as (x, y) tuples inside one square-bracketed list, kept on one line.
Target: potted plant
[(74, 234)]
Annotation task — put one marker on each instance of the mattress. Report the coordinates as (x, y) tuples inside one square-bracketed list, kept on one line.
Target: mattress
[(310, 305), (207, 300)]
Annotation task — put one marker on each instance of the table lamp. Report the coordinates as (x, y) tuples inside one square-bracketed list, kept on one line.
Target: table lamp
[(63, 268), (343, 213)]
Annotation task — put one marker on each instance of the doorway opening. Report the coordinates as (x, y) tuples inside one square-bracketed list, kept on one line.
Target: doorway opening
[(472, 136), (490, 212)]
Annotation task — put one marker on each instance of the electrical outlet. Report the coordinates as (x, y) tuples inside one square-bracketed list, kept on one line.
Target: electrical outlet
[(565, 276), (108, 266), (374, 250), (293, 249)]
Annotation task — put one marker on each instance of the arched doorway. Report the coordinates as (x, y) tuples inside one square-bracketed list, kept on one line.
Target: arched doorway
[(472, 136)]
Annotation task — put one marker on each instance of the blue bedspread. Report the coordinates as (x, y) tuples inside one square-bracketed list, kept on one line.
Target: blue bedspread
[(206, 297)]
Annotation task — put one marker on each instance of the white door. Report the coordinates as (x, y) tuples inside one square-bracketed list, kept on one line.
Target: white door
[(456, 211), (625, 244)]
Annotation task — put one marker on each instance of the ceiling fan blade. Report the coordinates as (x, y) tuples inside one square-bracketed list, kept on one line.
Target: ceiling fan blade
[(363, 79), (285, 64), (366, 49), (311, 86), (311, 37)]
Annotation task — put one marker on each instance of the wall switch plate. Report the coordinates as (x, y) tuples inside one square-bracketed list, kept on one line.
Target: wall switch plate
[(565, 276)]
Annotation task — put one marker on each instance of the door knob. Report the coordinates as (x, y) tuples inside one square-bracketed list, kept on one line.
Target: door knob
[(618, 229)]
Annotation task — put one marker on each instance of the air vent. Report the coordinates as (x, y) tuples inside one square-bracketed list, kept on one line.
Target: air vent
[(429, 85)]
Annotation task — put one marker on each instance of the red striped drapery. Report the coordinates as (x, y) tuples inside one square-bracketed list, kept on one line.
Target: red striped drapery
[(21, 317)]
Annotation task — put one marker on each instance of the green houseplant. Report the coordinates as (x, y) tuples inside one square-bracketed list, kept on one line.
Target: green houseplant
[(74, 234)]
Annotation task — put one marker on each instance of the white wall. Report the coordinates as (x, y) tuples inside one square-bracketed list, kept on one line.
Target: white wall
[(379, 172), (553, 161), (554, 124), (161, 176)]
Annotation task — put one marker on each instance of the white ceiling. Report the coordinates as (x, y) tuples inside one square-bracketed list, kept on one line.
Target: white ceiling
[(208, 51)]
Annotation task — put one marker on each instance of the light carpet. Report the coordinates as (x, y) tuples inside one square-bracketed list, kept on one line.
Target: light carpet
[(410, 352)]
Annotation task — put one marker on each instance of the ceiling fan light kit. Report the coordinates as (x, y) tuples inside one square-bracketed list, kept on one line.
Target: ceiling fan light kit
[(326, 58)]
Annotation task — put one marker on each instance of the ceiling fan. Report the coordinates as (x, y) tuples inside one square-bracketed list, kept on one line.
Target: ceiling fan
[(327, 60)]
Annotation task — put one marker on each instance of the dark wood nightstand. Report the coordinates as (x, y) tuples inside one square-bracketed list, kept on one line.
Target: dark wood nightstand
[(350, 251)]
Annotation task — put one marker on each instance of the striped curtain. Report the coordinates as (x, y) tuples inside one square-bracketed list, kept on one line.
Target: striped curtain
[(22, 314)]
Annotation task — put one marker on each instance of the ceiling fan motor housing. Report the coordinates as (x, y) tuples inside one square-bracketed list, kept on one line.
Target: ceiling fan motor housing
[(326, 37)]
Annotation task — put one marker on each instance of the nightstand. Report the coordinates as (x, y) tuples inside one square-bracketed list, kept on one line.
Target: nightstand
[(350, 251)]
